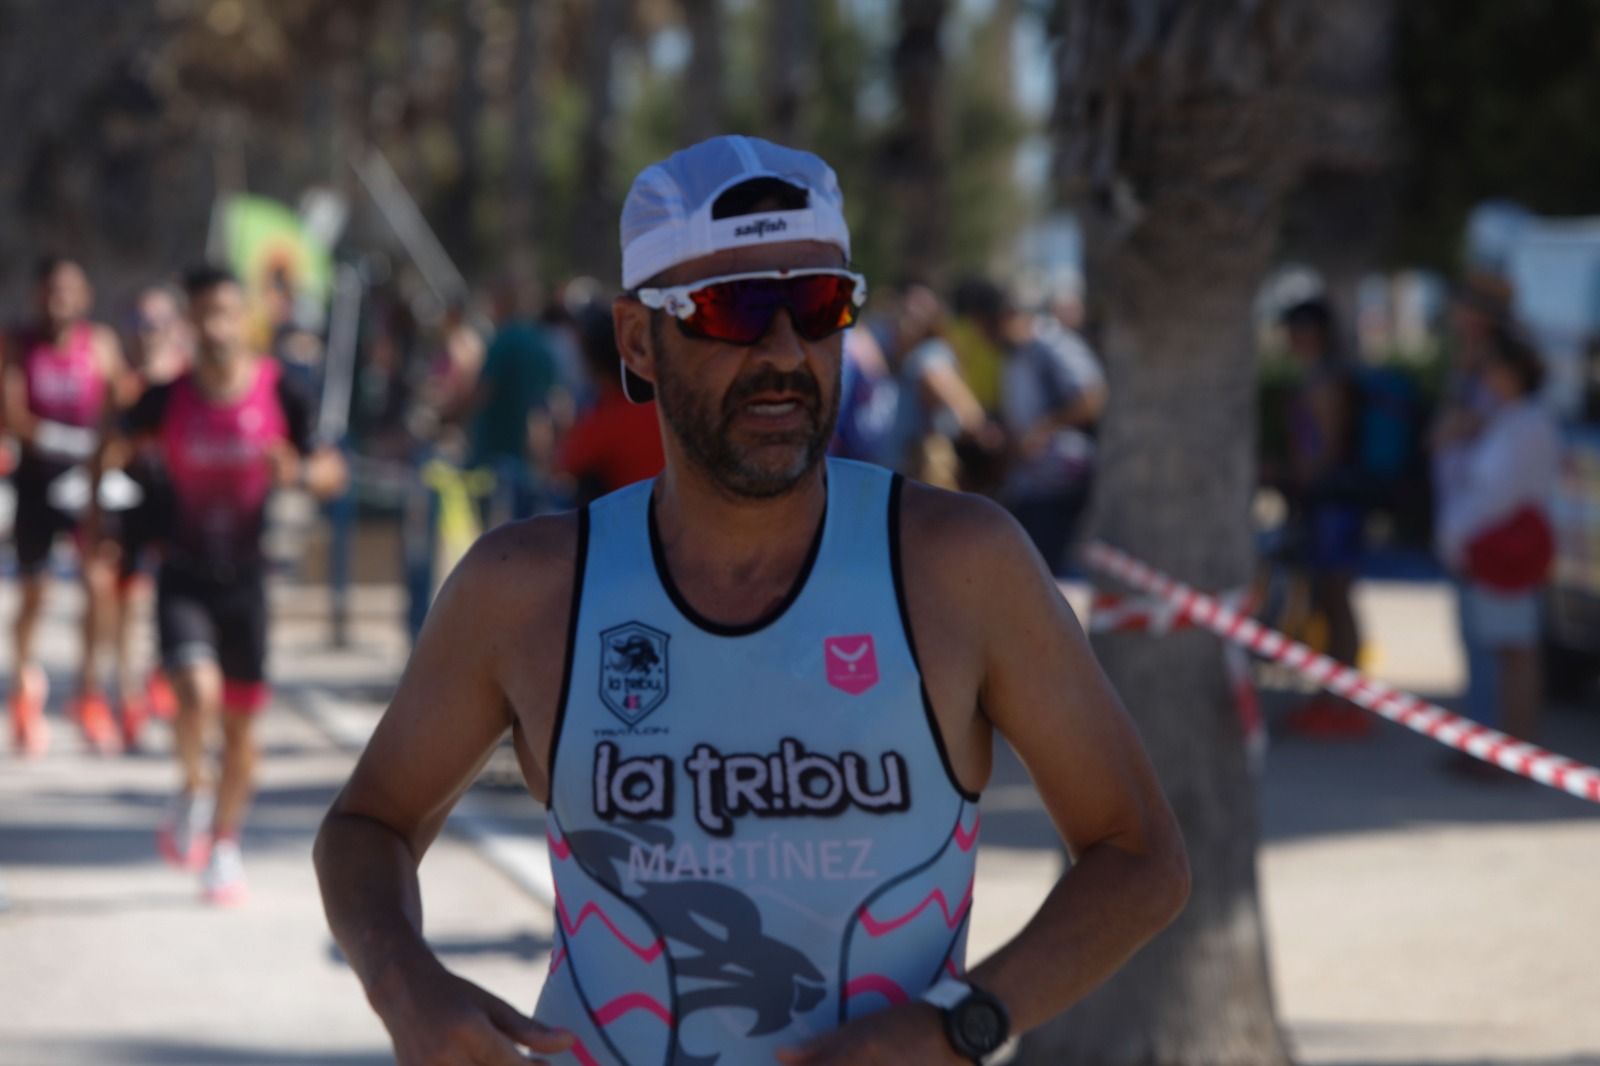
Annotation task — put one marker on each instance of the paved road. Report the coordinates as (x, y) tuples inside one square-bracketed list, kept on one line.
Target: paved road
[(1413, 918)]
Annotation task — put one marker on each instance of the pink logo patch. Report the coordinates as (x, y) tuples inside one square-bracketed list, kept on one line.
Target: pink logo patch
[(852, 663)]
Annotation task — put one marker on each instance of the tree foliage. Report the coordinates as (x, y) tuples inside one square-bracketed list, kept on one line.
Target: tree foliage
[(1498, 100)]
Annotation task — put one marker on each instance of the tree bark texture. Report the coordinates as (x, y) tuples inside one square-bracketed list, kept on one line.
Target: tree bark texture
[(705, 114), (594, 239), (916, 152), (1176, 136)]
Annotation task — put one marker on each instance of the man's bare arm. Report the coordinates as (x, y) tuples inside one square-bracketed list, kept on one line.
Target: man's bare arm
[(1044, 691), (447, 715), (971, 568)]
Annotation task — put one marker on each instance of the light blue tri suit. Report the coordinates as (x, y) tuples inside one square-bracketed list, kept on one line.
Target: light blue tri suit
[(755, 832)]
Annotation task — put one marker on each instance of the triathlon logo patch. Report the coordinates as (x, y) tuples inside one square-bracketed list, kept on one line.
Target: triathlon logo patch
[(852, 663), (633, 670)]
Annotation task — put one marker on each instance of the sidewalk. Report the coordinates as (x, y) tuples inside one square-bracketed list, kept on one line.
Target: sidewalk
[(1412, 918)]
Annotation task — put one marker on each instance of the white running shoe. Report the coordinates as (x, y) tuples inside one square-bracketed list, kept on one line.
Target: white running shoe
[(185, 834), (223, 881)]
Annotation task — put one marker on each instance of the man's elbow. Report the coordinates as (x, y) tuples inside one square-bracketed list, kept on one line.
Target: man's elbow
[(1178, 882)]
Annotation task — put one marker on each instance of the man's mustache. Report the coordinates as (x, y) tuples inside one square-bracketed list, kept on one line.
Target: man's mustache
[(801, 383)]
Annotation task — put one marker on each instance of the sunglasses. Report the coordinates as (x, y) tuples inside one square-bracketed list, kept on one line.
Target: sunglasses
[(739, 308)]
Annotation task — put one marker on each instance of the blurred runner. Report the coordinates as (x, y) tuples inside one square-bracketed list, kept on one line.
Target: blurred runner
[(228, 432), (162, 349), (59, 375), (615, 442)]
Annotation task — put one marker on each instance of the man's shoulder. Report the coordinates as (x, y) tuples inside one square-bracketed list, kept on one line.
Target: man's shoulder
[(942, 529), (524, 567)]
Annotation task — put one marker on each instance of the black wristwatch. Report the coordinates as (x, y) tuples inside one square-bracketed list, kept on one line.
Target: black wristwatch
[(975, 1023)]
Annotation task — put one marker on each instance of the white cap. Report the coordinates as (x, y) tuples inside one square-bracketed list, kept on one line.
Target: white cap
[(666, 219)]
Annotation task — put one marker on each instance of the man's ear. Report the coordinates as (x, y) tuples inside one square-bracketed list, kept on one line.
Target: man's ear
[(631, 321)]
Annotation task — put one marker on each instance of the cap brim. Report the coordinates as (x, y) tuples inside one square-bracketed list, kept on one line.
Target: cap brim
[(636, 388)]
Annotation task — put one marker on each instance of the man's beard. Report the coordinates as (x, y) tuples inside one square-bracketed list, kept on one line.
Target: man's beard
[(707, 435)]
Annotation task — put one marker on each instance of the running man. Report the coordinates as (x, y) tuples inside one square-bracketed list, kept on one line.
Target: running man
[(227, 432), (162, 351), (59, 380), (759, 694)]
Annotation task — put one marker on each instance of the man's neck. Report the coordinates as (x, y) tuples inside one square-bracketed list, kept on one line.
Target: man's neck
[(60, 333), (223, 379), (734, 558)]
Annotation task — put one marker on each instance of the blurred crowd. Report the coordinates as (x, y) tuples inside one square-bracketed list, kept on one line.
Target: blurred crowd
[(1478, 458), (969, 390), (514, 393)]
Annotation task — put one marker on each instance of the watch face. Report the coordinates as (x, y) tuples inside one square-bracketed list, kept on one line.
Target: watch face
[(982, 1026)]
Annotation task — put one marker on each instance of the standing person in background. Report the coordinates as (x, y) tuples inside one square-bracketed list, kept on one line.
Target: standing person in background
[(512, 394), (1326, 493), (868, 397), (162, 349), (936, 409), (454, 367), (1494, 532), (614, 443), (1052, 396), (228, 432), (1479, 307), (60, 381)]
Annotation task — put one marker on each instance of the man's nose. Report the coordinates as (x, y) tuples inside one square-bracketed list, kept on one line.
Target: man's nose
[(781, 345)]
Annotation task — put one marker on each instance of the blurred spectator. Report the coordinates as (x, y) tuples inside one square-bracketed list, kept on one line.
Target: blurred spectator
[(297, 349), (1326, 491), (1478, 307), (615, 442), (868, 397), (162, 342), (1052, 394), (454, 366), (979, 356), (1494, 532), (935, 407), (513, 392)]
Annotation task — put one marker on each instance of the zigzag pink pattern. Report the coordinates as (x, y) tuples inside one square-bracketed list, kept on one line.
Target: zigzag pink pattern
[(560, 848), (966, 840), (886, 987), (646, 954), (581, 1053), (631, 1002), (876, 928)]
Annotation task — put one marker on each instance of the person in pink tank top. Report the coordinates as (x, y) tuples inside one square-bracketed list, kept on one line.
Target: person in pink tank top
[(60, 375), (228, 432)]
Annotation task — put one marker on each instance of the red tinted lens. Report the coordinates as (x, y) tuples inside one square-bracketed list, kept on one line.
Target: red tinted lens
[(821, 304), (740, 311)]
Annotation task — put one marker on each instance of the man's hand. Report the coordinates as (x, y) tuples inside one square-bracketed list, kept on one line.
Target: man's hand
[(908, 1035), (439, 1019)]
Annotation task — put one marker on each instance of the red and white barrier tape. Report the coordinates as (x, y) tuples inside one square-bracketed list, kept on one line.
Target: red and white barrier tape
[(1429, 719), (1111, 613)]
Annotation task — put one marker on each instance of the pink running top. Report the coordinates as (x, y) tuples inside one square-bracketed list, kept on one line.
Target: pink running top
[(218, 458), (65, 384)]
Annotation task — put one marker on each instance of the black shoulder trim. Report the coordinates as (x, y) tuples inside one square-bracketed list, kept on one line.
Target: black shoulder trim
[(911, 641), (658, 555), (580, 564)]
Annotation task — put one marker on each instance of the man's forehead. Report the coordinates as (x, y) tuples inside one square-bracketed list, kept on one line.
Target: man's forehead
[(780, 255)]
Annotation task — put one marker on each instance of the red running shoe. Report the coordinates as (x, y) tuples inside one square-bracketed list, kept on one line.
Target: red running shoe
[(96, 723), (184, 838), (1328, 717), (158, 694), (30, 734)]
